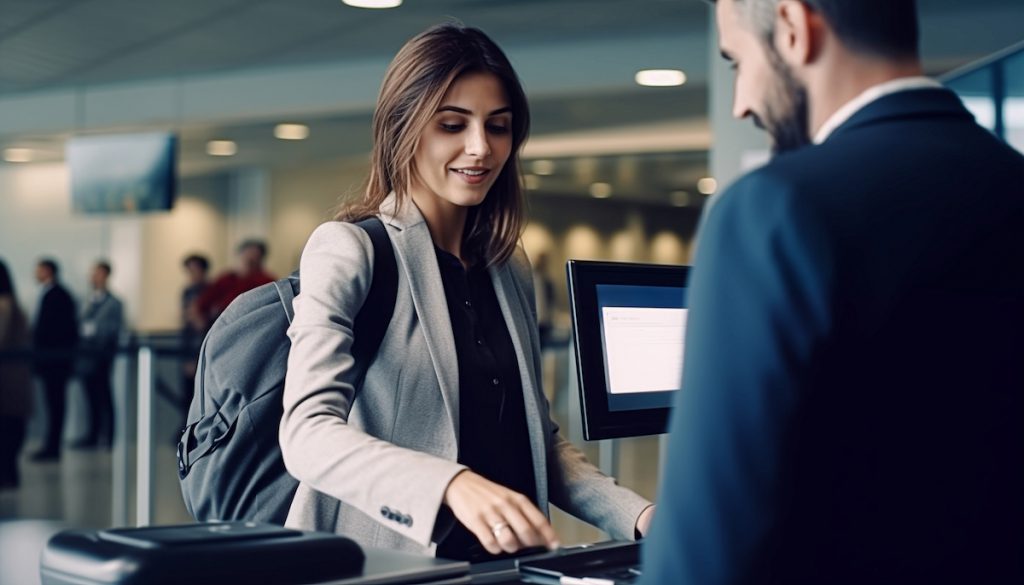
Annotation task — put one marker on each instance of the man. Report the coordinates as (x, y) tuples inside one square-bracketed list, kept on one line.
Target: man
[(197, 269), (53, 338), (250, 274), (101, 325), (852, 407)]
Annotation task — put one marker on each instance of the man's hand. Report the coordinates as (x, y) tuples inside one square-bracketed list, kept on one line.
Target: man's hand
[(501, 519)]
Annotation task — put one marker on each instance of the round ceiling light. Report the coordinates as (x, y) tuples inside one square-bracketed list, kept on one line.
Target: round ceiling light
[(377, 4), (660, 77)]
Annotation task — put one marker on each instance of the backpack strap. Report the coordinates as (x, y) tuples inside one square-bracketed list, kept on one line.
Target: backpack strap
[(286, 290), (375, 316)]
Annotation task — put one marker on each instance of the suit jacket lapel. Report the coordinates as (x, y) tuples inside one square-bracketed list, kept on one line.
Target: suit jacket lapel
[(414, 250), (516, 319)]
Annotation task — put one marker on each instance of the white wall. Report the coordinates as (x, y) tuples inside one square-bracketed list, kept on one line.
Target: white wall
[(301, 199), (36, 221), (145, 250)]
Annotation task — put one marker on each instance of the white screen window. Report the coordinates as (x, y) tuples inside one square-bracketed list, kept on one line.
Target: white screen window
[(643, 348)]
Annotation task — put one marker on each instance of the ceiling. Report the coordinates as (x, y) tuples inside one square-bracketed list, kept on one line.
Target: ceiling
[(48, 45), (54, 43)]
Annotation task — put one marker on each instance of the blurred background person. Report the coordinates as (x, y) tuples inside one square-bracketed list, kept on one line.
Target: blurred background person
[(197, 271), (544, 290), (102, 320), (54, 337), (15, 380), (216, 297)]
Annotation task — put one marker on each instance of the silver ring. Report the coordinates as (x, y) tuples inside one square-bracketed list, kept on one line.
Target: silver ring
[(497, 527)]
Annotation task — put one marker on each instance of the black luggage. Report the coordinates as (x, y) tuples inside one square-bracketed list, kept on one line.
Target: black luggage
[(215, 553)]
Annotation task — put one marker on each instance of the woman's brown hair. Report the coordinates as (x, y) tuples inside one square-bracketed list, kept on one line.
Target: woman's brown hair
[(413, 88)]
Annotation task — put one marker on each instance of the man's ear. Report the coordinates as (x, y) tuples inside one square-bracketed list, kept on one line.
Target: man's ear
[(797, 32)]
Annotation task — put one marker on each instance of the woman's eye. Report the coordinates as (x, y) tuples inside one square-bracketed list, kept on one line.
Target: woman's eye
[(498, 128), (452, 127)]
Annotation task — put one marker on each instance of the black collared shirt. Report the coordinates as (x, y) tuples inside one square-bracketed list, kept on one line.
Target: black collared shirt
[(493, 437)]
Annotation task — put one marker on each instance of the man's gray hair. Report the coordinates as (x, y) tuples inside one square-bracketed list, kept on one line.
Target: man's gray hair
[(886, 28)]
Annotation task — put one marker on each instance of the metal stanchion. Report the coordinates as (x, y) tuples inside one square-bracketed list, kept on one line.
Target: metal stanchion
[(144, 441), (608, 456), (120, 482)]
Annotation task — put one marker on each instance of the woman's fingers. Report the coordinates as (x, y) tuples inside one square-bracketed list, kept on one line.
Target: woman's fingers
[(505, 534), (543, 533), (501, 519), (483, 531)]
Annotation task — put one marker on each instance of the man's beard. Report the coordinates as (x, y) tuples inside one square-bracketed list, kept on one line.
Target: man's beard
[(785, 109)]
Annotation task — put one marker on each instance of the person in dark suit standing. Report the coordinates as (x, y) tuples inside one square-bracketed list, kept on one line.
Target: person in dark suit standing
[(54, 337), (852, 408), (102, 320)]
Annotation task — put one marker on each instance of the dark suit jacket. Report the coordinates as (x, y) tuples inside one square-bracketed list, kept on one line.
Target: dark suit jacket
[(56, 329), (852, 407)]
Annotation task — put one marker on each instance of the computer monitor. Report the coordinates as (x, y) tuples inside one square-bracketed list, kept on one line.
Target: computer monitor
[(628, 324)]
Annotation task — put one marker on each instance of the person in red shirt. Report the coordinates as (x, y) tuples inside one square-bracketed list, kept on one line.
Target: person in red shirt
[(250, 274)]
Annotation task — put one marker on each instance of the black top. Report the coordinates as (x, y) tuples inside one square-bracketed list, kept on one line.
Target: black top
[(493, 437)]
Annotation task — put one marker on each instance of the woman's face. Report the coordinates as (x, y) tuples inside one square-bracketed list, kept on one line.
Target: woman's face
[(466, 144)]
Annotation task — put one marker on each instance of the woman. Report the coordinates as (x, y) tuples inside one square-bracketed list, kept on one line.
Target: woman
[(447, 448), (15, 380)]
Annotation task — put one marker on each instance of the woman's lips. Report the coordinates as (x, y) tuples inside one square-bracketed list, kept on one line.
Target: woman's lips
[(472, 175)]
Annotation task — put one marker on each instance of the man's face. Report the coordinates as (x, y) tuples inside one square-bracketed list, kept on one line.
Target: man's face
[(195, 272), (250, 258), (43, 274), (98, 278), (765, 88)]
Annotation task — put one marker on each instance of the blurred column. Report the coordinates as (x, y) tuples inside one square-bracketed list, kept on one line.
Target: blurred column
[(248, 206)]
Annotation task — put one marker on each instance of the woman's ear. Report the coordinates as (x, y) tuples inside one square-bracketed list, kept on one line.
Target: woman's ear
[(796, 32)]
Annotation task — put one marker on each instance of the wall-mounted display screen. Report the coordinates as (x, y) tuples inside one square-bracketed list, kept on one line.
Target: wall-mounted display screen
[(123, 173)]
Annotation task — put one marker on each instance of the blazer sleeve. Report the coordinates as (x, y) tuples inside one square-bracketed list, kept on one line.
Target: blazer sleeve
[(759, 306), (319, 447), (574, 484)]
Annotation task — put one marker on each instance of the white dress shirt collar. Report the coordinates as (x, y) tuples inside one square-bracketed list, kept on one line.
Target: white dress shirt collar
[(866, 97)]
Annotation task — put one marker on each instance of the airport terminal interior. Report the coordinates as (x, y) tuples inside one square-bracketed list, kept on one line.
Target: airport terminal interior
[(265, 109)]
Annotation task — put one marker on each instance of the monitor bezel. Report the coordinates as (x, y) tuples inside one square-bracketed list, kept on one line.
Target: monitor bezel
[(599, 422)]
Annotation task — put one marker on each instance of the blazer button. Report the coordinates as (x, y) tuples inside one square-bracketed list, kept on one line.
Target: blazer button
[(385, 511), (408, 521)]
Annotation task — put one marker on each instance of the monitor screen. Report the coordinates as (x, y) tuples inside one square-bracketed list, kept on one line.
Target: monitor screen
[(123, 173), (629, 324)]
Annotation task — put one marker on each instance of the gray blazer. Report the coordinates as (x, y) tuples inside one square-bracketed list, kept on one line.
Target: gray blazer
[(374, 462)]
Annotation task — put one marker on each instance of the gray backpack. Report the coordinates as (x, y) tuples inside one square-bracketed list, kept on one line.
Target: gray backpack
[(229, 460)]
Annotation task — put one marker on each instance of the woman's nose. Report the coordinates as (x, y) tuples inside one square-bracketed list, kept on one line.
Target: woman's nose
[(477, 142)]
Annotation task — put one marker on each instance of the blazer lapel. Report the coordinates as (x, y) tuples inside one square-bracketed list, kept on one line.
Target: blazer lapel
[(513, 309), (414, 250)]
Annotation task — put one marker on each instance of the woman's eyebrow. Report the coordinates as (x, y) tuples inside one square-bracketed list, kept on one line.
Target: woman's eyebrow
[(459, 110)]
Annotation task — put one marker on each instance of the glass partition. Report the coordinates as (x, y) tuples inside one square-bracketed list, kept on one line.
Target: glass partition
[(993, 90)]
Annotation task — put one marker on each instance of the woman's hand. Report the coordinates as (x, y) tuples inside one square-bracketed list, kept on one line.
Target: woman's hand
[(501, 519), (643, 523)]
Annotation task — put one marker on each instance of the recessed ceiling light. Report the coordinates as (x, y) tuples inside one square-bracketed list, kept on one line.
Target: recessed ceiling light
[(532, 182), (680, 198), (707, 185), (291, 131), (600, 190), (543, 167), (660, 77), (18, 155), (221, 148), (373, 3)]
